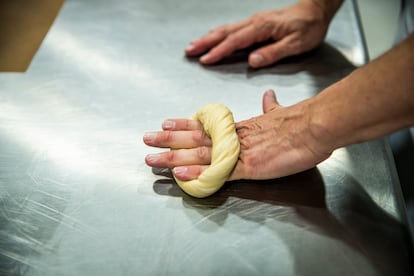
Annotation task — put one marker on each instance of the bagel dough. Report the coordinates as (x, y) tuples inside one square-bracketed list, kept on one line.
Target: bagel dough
[(218, 123)]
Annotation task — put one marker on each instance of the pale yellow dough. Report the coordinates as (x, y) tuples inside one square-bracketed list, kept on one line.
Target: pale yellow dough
[(218, 123)]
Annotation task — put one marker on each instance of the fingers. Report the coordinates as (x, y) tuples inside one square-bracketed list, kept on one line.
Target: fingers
[(205, 43), (177, 139), (213, 38), (181, 157), (181, 124), (187, 173), (223, 45), (267, 55), (233, 42), (269, 101), (192, 153), (193, 148)]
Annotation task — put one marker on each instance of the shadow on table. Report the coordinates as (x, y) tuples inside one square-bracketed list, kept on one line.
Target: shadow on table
[(342, 212), (325, 64), (283, 191)]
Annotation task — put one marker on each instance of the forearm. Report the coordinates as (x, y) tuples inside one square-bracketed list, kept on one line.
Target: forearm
[(374, 100)]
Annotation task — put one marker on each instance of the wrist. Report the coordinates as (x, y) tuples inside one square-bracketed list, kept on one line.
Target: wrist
[(321, 124), (326, 9), (335, 120)]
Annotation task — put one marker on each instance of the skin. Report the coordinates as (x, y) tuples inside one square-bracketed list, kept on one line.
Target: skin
[(290, 152), (373, 101), (293, 30)]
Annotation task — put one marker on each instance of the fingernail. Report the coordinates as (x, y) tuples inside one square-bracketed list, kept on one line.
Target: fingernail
[(149, 136), (180, 171), (205, 58), (256, 60), (167, 124), (190, 48), (151, 158), (270, 94)]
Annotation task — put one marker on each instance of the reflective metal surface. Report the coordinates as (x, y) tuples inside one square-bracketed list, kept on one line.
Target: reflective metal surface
[(76, 197)]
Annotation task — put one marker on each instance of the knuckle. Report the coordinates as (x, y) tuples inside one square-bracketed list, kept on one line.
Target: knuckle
[(198, 136), (246, 128), (188, 124), (261, 22), (242, 132), (170, 156), (166, 136), (202, 153), (232, 38)]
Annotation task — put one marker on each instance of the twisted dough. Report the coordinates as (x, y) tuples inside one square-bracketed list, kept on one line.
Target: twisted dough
[(218, 123)]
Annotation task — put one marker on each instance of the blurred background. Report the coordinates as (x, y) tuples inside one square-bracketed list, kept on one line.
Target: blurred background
[(380, 21)]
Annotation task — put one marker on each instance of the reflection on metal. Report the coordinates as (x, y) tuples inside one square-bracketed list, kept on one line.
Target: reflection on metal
[(77, 199)]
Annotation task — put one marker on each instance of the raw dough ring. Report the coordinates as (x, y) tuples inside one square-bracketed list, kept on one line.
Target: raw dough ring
[(218, 123)]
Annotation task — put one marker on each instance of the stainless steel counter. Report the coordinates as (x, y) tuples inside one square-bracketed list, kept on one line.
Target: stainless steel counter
[(76, 197)]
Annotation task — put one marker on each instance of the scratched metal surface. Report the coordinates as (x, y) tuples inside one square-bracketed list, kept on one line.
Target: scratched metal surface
[(76, 197)]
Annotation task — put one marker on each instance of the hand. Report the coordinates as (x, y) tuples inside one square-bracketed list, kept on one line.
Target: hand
[(275, 144), (294, 30)]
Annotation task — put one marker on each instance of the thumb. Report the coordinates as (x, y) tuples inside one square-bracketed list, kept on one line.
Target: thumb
[(269, 101)]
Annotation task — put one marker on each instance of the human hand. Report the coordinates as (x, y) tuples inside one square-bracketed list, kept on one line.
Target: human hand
[(275, 144), (294, 30)]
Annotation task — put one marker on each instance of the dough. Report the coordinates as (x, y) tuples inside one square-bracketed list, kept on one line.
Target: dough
[(218, 123)]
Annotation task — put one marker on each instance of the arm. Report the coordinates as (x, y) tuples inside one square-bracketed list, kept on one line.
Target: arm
[(373, 101), (294, 30)]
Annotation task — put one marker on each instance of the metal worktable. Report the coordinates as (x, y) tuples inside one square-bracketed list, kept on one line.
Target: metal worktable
[(76, 197)]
